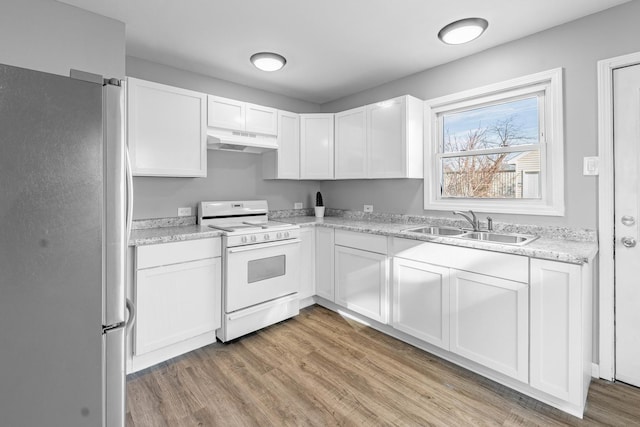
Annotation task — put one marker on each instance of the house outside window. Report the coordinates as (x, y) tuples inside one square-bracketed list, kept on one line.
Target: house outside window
[(498, 148)]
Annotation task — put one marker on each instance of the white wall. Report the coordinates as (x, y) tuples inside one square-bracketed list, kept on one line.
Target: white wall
[(48, 36), (230, 176), (576, 46)]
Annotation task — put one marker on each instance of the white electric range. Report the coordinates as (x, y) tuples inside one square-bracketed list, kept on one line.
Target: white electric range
[(261, 265)]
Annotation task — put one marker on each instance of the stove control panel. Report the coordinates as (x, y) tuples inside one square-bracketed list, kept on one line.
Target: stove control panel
[(263, 236)]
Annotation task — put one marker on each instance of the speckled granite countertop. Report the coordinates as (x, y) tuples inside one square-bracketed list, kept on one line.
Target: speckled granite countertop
[(575, 252), (150, 236), (565, 250)]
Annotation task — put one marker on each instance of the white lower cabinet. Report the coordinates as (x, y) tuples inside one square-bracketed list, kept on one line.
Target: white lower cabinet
[(307, 264), (324, 263), (489, 322), (177, 293), (361, 282), (561, 329), (421, 301)]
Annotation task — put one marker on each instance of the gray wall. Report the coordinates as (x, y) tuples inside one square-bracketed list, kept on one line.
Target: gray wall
[(576, 46), (230, 176), (48, 36)]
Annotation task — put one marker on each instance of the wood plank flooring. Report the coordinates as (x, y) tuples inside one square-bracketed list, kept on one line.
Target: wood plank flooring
[(320, 369)]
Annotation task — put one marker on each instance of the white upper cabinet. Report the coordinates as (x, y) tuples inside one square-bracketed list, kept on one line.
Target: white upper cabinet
[(261, 119), (381, 140), (284, 163), (316, 146), (225, 113), (394, 138), (166, 130), (351, 144)]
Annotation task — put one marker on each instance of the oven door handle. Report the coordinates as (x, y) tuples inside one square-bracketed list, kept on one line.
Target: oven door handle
[(263, 246)]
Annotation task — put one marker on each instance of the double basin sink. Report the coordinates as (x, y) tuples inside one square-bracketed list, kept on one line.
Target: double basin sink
[(484, 236)]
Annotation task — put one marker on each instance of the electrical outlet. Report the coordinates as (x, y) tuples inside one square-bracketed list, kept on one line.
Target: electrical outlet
[(297, 205), (184, 211), (368, 208), (591, 166)]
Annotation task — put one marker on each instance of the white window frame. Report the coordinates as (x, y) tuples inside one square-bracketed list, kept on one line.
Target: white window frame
[(551, 145)]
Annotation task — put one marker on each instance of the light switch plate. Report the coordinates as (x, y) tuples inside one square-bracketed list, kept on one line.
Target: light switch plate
[(297, 205), (368, 208), (591, 166), (184, 211)]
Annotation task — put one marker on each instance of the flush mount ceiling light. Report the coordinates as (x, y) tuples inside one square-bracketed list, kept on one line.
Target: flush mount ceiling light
[(268, 61), (463, 31)]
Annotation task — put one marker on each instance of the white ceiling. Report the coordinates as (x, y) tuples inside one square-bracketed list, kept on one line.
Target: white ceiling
[(334, 48)]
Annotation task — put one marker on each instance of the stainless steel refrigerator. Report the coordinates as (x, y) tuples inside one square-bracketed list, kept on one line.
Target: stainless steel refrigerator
[(63, 231)]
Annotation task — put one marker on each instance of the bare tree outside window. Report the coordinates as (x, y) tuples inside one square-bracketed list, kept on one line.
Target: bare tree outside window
[(483, 148)]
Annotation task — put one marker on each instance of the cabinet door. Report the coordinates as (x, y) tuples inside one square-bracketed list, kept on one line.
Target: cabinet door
[(361, 282), (316, 146), (176, 302), (225, 113), (556, 330), (166, 130), (324, 263), (386, 155), (261, 119), (421, 301), (489, 322), (307, 266), (284, 163), (351, 144)]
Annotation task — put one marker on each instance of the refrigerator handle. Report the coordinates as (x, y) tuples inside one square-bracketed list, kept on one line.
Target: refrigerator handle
[(129, 179), (131, 308)]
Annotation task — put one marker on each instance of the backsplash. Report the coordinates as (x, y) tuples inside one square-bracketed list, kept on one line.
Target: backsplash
[(177, 221), (550, 232)]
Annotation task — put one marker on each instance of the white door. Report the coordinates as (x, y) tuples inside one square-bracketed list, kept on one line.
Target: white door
[(166, 130), (316, 146), (261, 119), (225, 113), (386, 133), (489, 322), (288, 151), (351, 144), (361, 282), (421, 300), (626, 83)]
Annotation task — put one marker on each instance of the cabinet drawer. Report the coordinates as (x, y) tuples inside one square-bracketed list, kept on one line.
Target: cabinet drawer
[(364, 241), (176, 252), (506, 266)]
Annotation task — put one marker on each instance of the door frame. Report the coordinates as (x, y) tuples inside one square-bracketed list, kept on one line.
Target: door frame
[(606, 205)]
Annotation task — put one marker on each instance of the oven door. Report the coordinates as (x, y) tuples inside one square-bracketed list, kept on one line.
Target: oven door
[(260, 273)]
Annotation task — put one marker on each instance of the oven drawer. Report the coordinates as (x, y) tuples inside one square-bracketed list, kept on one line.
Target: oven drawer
[(177, 252), (260, 273)]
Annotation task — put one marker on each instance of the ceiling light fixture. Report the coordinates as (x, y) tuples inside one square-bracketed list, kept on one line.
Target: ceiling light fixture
[(463, 31), (268, 61)]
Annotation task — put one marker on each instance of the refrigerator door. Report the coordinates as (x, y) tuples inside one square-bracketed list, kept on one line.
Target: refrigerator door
[(51, 256)]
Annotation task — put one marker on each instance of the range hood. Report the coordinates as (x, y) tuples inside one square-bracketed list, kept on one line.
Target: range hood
[(244, 142)]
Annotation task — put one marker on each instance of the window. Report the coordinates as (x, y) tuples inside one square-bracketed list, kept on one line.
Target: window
[(497, 148)]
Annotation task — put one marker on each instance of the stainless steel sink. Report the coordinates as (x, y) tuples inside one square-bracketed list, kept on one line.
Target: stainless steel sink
[(504, 238), (437, 231)]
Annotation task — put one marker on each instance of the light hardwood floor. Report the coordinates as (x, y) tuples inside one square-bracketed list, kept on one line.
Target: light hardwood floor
[(320, 369)]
